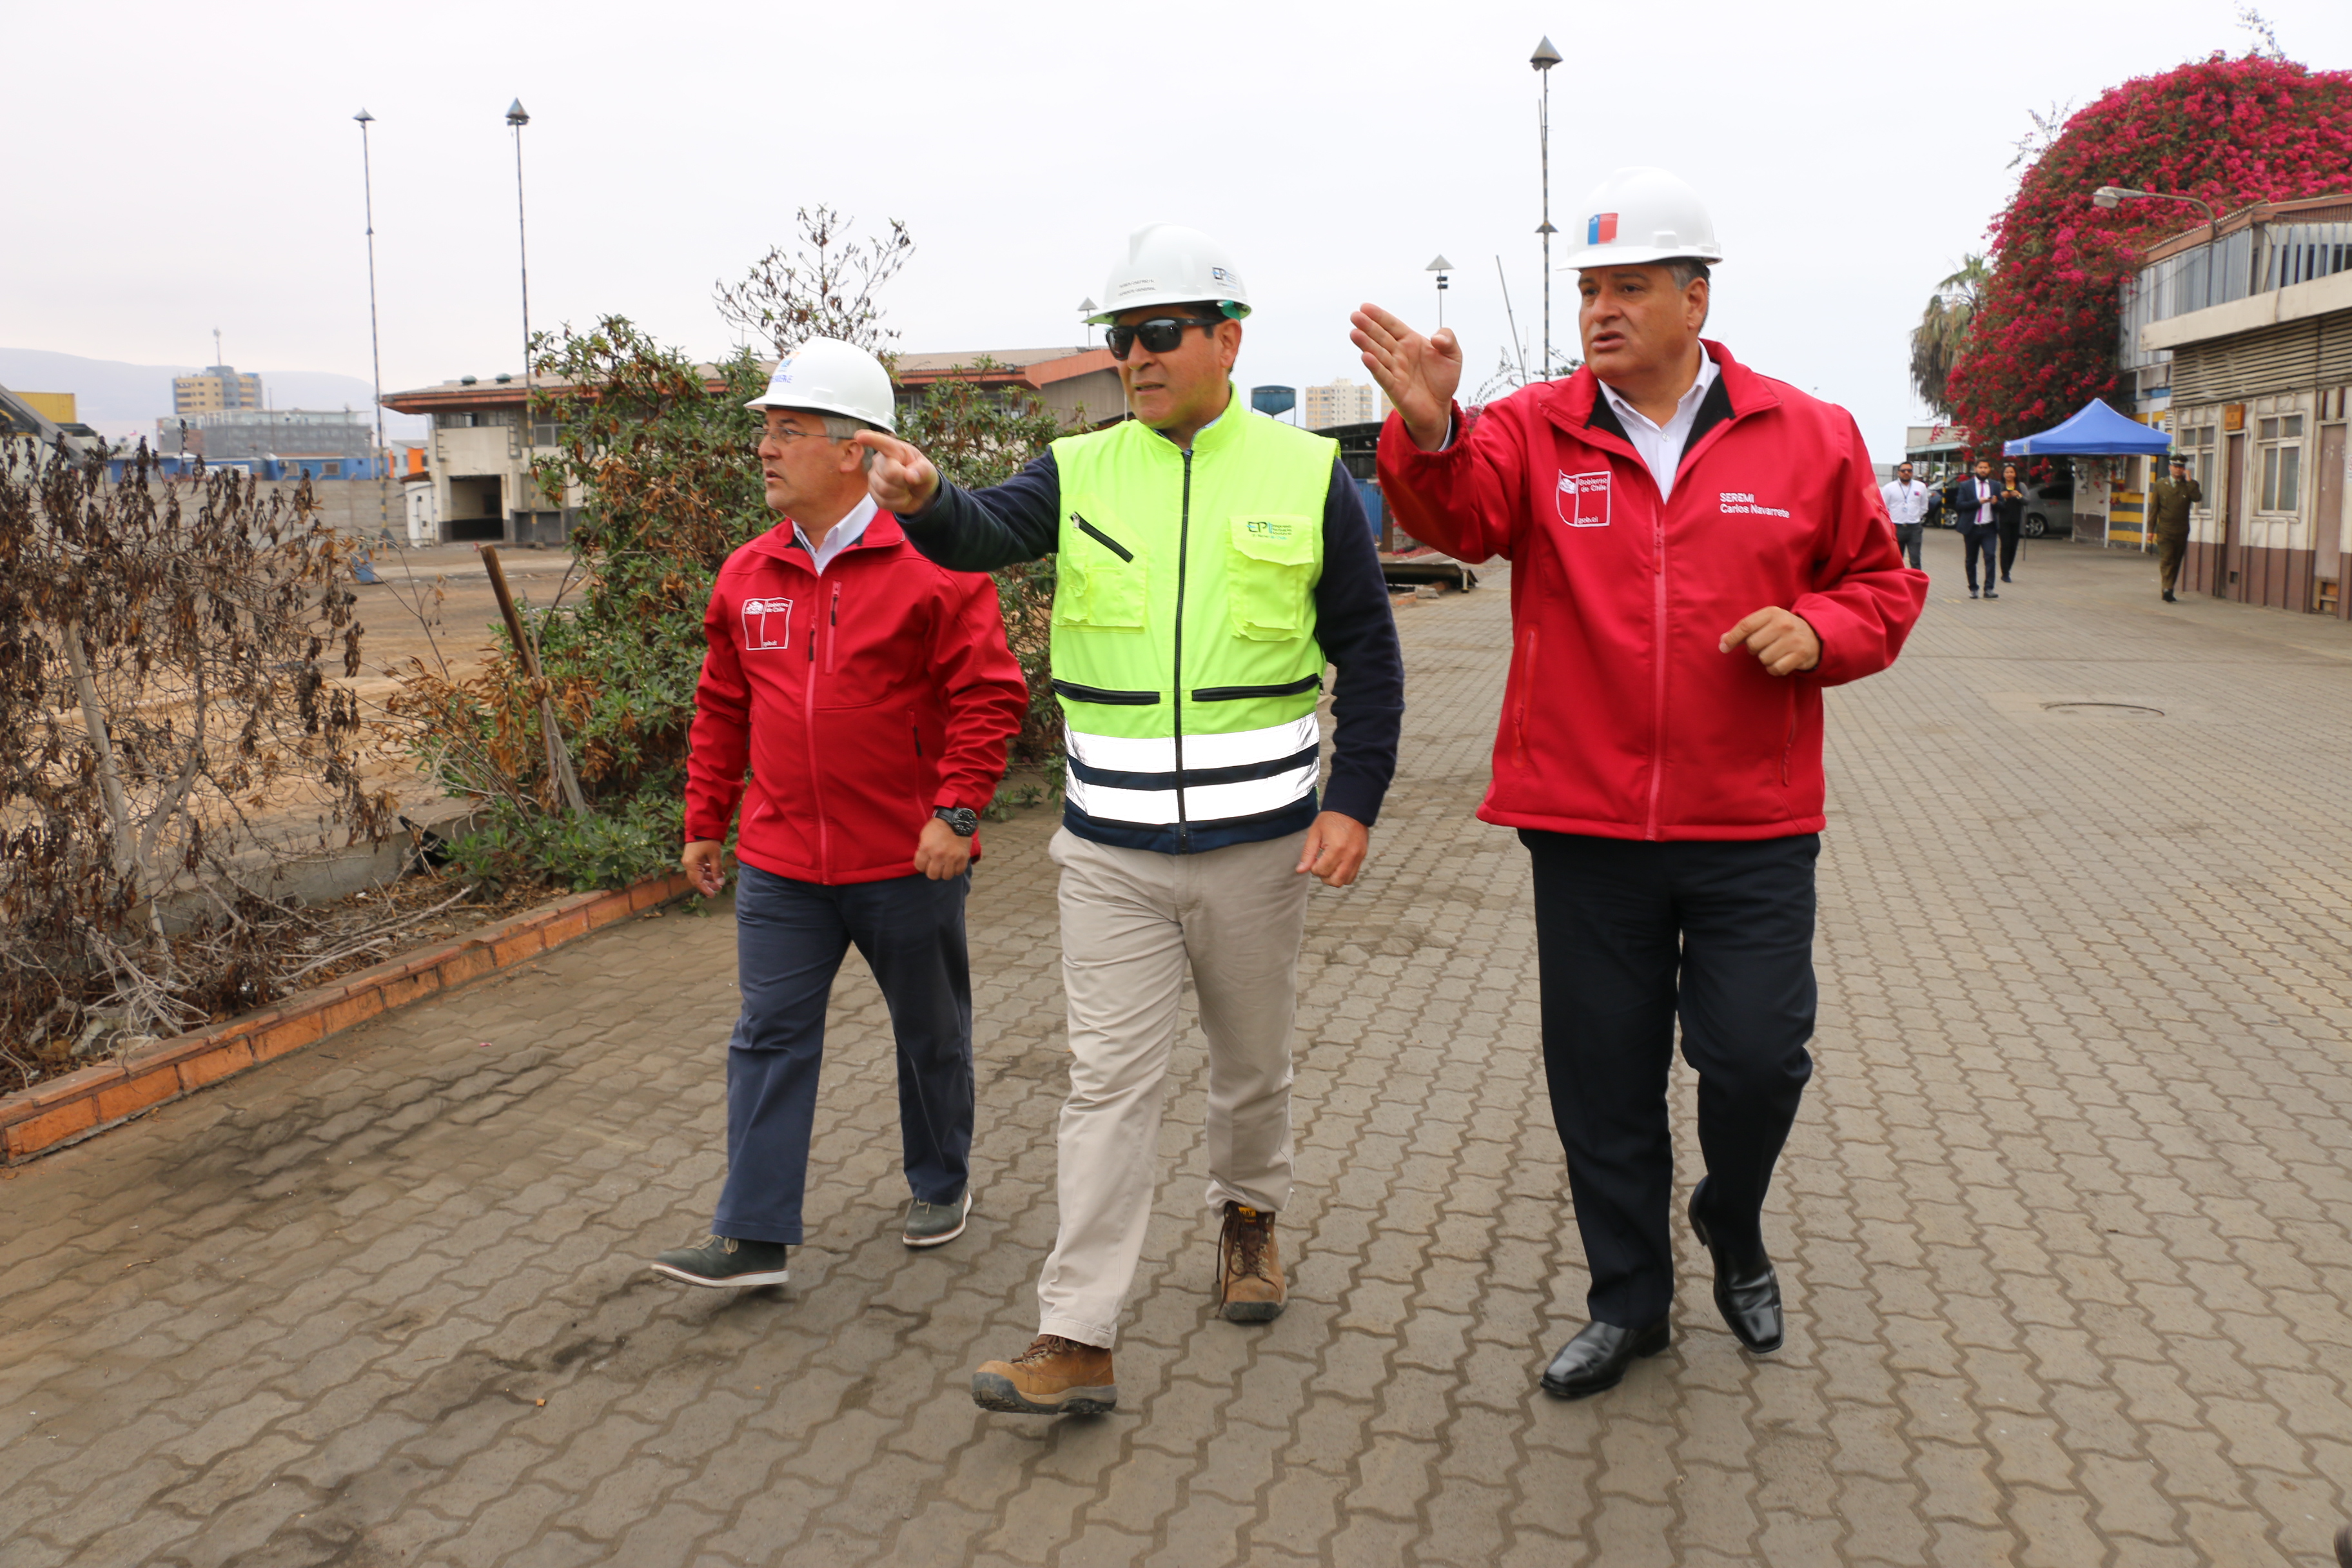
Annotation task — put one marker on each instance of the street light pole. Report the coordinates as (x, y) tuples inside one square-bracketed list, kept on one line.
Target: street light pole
[(376, 343), (516, 119), (1543, 60), (1441, 267)]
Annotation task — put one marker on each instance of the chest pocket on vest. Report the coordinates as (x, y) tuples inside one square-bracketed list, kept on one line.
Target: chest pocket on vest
[(1097, 578), (1271, 575)]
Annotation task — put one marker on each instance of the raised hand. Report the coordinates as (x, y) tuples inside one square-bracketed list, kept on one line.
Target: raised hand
[(1417, 373), (901, 479)]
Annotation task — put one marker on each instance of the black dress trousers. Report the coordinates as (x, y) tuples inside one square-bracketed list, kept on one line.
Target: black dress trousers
[(1631, 935)]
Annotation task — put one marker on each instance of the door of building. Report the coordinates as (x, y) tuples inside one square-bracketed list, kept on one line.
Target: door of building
[(2226, 564), (2328, 527)]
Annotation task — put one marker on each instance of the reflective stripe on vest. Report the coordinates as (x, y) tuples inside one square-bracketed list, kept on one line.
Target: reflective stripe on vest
[(1184, 650)]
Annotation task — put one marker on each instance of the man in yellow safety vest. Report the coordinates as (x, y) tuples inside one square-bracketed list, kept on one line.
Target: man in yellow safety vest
[(1210, 561)]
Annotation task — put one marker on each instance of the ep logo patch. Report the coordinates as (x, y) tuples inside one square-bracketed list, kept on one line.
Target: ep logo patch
[(1584, 499), (767, 623)]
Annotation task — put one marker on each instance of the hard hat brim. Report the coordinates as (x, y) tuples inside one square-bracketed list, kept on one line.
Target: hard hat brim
[(760, 405), (1640, 255), (1234, 310)]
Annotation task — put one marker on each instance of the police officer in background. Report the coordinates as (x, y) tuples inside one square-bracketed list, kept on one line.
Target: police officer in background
[(2169, 501), (1210, 561), (1696, 552)]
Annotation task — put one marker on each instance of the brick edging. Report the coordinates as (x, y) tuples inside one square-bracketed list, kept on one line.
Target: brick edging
[(89, 1100)]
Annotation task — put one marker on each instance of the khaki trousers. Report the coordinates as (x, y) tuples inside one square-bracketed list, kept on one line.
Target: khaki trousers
[(1132, 921), (2170, 549)]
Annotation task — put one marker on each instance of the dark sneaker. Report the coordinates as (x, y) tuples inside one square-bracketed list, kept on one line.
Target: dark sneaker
[(724, 1261), (1990, 595), (1972, 592), (928, 1224), (1054, 1376), (1250, 1286)]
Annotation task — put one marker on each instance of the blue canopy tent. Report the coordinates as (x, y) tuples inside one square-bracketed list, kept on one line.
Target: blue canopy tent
[(2099, 431), (2096, 431)]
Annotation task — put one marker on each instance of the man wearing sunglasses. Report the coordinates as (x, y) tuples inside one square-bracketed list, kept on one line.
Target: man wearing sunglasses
[(1210, 561)]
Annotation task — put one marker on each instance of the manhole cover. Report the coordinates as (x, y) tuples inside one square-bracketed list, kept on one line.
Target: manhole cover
[(2102, 709)]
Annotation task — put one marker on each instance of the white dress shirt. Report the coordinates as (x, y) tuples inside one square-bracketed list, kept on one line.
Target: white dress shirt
[(847, 532), (1983, 493), (1907, 504), (1660, 445)]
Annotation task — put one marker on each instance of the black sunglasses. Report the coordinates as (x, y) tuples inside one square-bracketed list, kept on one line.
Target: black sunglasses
[(1161, 334)]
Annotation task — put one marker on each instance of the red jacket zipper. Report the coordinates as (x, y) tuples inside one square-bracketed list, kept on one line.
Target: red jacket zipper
[(1658, 660), (808, 730)]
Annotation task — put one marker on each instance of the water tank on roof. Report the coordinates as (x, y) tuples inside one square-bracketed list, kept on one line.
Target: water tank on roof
[(1276, 401)]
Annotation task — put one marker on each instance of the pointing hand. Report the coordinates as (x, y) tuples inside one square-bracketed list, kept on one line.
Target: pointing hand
[(901, 479)]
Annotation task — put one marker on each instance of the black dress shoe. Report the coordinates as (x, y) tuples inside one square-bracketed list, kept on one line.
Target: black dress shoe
[(1598, 1356), (2170, 600), (1746, 1292)]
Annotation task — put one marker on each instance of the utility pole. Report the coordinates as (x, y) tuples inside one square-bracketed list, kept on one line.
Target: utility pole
[(376, 344), (1543, 60), (1441, 267), (516, 119)]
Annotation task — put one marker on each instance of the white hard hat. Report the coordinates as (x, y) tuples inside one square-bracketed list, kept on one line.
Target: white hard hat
[(1643, 215), (825, 375), (1168, 264)]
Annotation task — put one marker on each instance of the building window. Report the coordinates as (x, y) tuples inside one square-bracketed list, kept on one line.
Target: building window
[(2199, 449), (332, 470), (2282, 445)]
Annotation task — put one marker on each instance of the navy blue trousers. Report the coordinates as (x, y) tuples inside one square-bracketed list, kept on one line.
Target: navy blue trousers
[(790, 940), (1630, 936), (1981, 538)]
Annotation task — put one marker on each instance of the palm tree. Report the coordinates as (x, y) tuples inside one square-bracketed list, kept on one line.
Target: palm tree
[(1943, 326)]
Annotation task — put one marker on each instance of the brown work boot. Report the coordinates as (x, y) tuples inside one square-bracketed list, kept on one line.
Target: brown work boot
[(1054, 1376), (1249, 1267)]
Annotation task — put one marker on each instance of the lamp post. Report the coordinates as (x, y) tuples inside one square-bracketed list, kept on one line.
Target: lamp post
[(516, 119), (376, 341), (1441, 267), (1087, 309), (1543, 60), (2113, 197)]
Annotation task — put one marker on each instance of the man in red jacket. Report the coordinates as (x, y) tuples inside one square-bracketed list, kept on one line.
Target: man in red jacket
[(1695, 552), (872, 696)]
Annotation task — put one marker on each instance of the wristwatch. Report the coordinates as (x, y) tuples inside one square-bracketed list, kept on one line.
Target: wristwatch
[(962, 820)]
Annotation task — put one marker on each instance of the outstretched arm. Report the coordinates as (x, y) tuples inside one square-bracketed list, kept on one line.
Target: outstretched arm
[(967, 530)]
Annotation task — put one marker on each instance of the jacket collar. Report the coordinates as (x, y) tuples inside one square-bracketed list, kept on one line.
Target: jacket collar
[(1577, 407), (778, 543)]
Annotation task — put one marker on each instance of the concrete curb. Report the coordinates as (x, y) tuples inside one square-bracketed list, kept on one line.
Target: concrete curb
[(85, 1103)]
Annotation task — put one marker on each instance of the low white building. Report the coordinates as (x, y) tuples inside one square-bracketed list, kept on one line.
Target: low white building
[(2252, 387)]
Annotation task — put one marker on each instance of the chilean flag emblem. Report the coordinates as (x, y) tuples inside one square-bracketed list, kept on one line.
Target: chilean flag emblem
[(1600, 228)]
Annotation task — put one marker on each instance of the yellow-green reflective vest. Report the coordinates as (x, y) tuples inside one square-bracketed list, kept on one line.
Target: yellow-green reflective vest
[(1184, 650)]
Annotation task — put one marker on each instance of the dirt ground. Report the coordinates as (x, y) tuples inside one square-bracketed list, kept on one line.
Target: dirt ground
[(435, 603)]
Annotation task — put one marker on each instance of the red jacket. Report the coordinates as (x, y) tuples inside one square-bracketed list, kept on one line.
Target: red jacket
[(1619, 718), (861, 700)]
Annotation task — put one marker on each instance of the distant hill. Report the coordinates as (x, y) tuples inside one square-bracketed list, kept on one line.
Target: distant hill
[(118, 400)]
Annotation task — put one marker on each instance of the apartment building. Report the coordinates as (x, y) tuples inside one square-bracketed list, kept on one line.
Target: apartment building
[(1343, 402)]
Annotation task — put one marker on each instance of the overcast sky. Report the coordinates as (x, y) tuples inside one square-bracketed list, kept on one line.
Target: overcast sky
[(186, 168)]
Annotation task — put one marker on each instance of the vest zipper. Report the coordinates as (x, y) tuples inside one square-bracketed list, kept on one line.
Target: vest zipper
[(1176, 682)]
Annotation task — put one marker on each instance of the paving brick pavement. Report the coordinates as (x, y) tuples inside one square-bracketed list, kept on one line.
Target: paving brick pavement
[(2066, 1225)]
